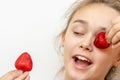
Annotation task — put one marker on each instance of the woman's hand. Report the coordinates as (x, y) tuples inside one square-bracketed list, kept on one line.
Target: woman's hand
[(113, 33), (16, 75)]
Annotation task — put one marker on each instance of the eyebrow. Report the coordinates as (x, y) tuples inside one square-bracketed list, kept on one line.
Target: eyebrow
[(86, 23), (80, 21)]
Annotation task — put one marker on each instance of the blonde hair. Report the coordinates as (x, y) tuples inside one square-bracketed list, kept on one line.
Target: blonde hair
[(114, 72), (115, 4)]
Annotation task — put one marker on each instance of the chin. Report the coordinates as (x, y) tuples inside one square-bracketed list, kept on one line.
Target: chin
[(75, 75)]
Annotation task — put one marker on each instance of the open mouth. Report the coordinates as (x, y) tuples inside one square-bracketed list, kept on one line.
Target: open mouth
[(81, 62)]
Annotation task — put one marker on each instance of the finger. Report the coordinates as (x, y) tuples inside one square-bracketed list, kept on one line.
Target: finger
[(107, 31), (11, 75), (113, 22), (23, 76), (113, 31), (116, 38), (108, 28), (116, 45), (27, 78)]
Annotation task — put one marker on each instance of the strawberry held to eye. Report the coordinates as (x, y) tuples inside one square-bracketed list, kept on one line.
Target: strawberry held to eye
[(100, 41), (24, 62)]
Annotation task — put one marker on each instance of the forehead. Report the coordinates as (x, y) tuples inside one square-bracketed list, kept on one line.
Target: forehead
[(96, 12)]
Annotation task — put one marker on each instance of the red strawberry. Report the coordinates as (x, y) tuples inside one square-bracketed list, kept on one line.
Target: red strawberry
[(100, 41), (24, 62)]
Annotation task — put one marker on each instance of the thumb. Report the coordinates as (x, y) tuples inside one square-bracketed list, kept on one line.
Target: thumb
[(11, 75)]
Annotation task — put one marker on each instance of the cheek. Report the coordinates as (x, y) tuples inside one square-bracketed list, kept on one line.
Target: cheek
[(68, 50), (103, 63), (70, 41), (105, 58), (70, 46)]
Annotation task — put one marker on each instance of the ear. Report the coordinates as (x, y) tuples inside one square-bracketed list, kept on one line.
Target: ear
[(117, 63)]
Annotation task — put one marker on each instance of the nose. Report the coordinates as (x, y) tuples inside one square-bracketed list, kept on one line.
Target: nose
[(86, 44)]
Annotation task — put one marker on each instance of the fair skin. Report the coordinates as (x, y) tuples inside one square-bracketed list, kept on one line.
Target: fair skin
[(78, 42), (16, 75)]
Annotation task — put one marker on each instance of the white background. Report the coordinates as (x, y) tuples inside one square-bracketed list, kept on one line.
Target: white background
[(30, 25)]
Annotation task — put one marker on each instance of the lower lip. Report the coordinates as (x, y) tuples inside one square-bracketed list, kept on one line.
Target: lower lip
[(80, 67)]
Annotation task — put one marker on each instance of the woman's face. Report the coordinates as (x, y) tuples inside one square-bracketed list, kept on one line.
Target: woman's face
[(82, 60)]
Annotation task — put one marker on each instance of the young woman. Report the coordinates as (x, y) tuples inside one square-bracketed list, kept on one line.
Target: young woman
[(82, 59)]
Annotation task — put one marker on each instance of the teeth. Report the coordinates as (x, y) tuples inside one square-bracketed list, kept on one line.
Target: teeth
[(82, 58)]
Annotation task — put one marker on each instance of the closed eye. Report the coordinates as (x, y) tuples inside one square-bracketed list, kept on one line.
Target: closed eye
[(78, 33)]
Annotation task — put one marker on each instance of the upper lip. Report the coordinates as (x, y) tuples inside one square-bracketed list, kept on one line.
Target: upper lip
[(85, 56)]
